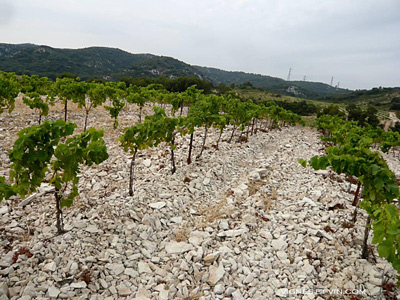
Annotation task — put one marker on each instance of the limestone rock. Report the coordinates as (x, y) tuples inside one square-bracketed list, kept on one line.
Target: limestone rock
[(216, 274), (177, 247)]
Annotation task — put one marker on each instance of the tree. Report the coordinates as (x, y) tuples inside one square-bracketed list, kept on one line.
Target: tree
[(372, 116), (331, 110), (355, 113), (222, 88)]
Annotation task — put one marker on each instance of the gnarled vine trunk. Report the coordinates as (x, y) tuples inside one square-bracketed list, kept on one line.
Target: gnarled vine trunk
[(189, 159), (132, 173)]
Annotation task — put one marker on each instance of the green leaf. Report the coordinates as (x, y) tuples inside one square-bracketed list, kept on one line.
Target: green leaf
[(386, 248), (394, 228), (302, 162)]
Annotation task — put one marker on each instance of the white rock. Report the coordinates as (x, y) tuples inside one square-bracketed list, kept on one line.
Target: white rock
[(309, 201), (299, 239), (163, 295), (50, 267), (157, 205), (177, 247), (197, 237), (53, 292), (4, 289), (279, 244), (255, 176), (74, 268), (223, 224), (237, 295), (237, 192), (322, 172), (281, 255), (263, 172), (219, 289), (232, 233), (28, 200), (92, 229), (266, 234), (147, 163), (282, 292), (216, 274), (78, 285), (3, 210), (131, 272), (144, 268), (308, 268), (206, 181), (249, 278), (103, 283), (124, 291), (177, 220), (116, 269), (229, 291), (165, 196)]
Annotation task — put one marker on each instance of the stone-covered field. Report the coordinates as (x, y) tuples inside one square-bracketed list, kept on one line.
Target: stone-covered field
[(242, 222)]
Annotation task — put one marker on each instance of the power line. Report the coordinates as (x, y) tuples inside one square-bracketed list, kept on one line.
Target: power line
[(290, 72)]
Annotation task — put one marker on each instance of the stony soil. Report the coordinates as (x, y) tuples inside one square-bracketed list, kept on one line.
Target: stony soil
[(244, 222)]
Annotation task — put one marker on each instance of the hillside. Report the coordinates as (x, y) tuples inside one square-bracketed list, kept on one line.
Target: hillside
[(112, 64), (305, 89), (376, 96)]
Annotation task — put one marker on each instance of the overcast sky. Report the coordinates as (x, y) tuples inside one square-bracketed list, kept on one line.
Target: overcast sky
[(355, 41)]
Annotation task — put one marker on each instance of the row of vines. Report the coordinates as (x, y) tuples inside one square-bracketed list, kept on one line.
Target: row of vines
[(350, 151), (50, 152)]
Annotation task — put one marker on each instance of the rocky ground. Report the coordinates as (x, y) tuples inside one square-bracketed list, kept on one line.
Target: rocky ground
[(244, 222)]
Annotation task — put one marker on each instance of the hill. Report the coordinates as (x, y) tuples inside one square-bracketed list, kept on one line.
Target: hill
[(305, 89), (112, 64)]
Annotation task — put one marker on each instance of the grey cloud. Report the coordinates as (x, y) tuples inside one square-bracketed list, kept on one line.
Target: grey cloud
[(7, 12), (354, 41)]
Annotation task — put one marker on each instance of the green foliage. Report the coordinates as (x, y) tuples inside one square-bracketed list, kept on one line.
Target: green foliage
[(116, 93), (95, 95), (301, 108), (155, 129), (6, 190), (332, 110), (363, 117), (223, 88), (87, 148), (9, 89), (352, 156), (37, 93), (32, 153), (70, 89), (38, 153)]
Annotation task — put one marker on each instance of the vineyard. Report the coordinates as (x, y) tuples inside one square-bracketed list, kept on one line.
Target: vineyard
[(112, 191)]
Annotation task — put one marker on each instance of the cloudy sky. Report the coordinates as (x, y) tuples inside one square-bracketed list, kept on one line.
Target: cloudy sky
[(355, 41)]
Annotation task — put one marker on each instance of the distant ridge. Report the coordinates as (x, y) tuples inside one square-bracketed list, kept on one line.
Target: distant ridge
[(113, 63)]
